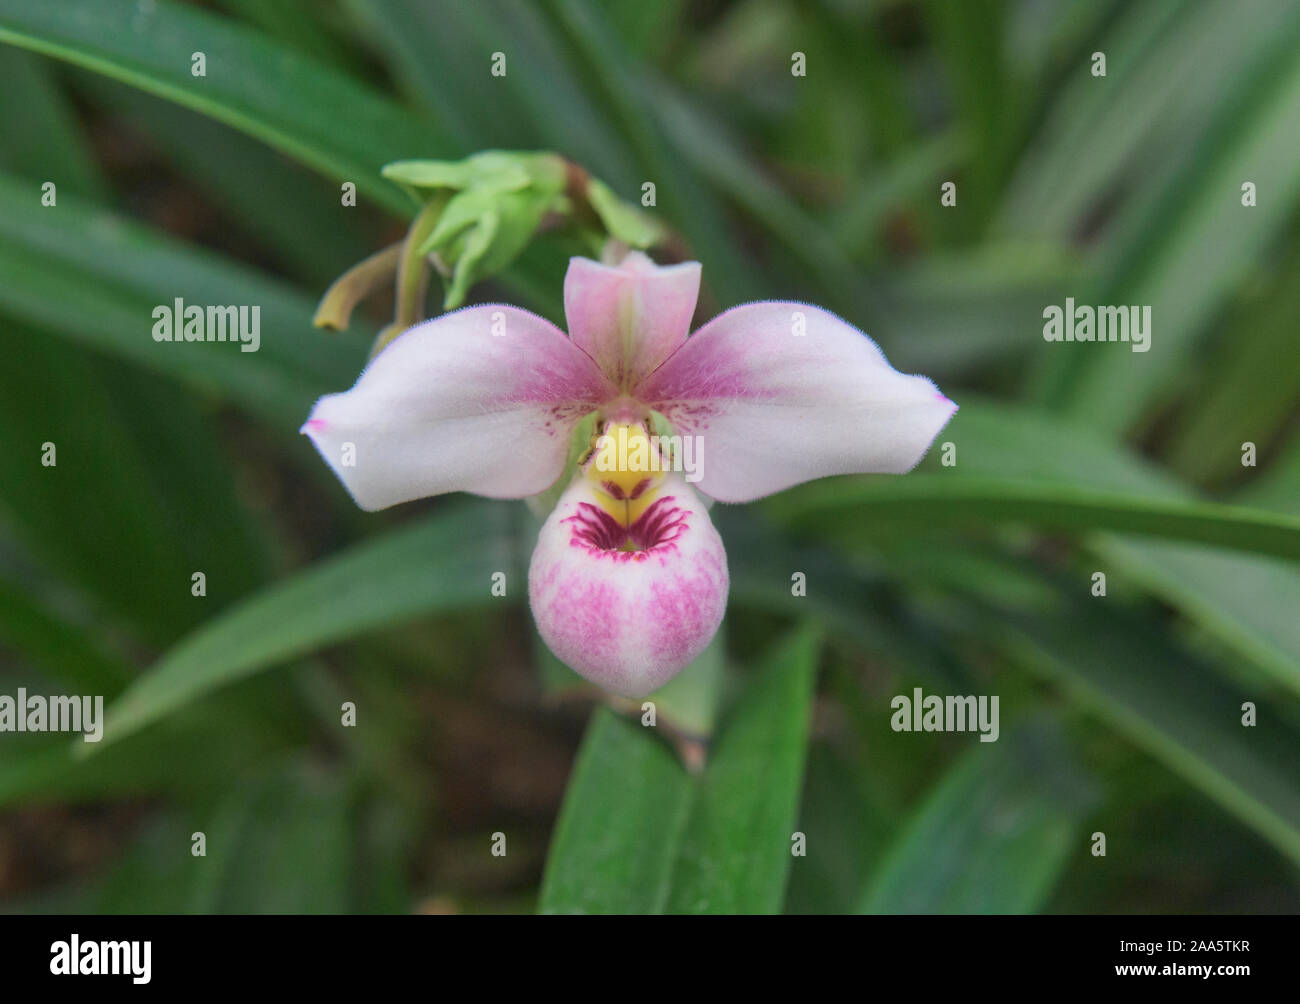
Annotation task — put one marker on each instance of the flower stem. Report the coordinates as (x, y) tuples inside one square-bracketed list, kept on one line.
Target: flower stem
[(412, 273)]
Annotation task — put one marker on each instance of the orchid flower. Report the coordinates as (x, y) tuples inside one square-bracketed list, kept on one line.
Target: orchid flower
[(628, 582)]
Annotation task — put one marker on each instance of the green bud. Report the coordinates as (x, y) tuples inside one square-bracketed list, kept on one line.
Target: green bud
[(500, 200)]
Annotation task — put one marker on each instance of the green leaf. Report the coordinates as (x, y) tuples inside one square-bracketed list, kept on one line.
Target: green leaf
[(430, 51), (299, 23), (704, 144), (1248, 604), (940, 500), (277, 94), (97, 277), (200, 754), (162, 507), (660, 156), (913, 176), (843, 595), (627, 803), (440, 564), (1170, 705), (444, 52), (848, 825), (42, 141), (1246, 601), (1279, 487), (993, 836), (734, 855), (971, 38), (64, 649), (1155, 73), (638, 834), (952, 311), (1249, 386), (1189, 250), (150, 875), (295, 214), (280, 844)]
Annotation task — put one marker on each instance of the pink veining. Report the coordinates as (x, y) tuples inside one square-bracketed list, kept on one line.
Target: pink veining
[(601, 535)]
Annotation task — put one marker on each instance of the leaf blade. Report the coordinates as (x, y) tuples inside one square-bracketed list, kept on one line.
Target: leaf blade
[(720, 843), (379, 582)]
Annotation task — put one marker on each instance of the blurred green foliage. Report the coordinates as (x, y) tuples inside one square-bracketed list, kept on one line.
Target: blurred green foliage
[(1120, 714)]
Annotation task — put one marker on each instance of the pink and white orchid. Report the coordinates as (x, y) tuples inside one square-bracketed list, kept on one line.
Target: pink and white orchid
[(628, 582)]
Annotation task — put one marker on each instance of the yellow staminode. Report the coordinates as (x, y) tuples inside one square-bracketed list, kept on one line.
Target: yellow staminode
[(626, 469)]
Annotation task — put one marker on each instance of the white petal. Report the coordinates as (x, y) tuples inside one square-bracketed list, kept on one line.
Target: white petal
[(782, 393), (480, 400), (632, 316)]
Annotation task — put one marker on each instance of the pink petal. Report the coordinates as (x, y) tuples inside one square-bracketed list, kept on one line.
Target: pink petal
[(776, 407), (628, 620), (629, 317), (480, 400)]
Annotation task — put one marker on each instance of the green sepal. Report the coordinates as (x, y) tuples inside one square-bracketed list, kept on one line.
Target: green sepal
[(500, 199), (625, 222)]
